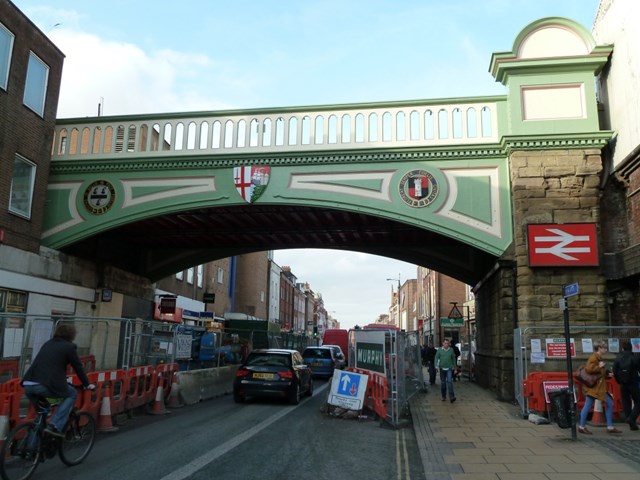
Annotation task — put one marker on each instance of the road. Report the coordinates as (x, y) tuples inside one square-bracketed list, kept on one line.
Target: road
[(256, 440)]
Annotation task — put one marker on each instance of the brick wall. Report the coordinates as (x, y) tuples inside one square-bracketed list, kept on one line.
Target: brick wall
[(21, 130)]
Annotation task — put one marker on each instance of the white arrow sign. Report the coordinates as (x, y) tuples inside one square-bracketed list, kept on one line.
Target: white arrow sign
[(562, 239), (345, 381)]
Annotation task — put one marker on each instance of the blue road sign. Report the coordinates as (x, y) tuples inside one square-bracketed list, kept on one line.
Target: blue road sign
[(348, 385), (570, 290)]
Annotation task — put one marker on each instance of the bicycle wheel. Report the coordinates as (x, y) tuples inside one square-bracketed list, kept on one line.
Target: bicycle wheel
[(20, 453), (80, 435)]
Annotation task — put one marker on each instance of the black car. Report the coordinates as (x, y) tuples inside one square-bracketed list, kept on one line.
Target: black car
[(275, 373)]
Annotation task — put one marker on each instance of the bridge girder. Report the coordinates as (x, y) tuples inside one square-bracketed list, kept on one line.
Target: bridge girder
[(159, 246)]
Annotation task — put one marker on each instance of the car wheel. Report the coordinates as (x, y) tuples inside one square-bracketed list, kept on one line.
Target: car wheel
[(294, 399), (310, 389), (238, 398)]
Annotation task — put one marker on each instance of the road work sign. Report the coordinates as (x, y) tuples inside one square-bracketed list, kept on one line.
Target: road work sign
[(347, 390)]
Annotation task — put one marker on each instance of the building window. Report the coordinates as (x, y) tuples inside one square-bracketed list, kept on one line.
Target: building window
[(190, 276), (22, 182), (180, 275), (200, 275), (6, 47), (220, 275), (13, 301), (36, 85)]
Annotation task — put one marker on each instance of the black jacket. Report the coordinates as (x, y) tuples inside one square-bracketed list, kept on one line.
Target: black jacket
[(626, 368), (50, 366)]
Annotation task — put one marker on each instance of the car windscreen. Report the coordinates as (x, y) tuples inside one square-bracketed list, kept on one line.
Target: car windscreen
[(269, 360), (317, 353)]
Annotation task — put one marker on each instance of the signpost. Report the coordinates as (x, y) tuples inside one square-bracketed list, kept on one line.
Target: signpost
[(569, 291)]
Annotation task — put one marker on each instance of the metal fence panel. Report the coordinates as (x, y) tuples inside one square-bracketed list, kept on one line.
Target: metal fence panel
[(541, 349)]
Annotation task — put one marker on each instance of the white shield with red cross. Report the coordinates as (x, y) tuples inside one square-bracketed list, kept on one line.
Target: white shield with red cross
[(251, 181)]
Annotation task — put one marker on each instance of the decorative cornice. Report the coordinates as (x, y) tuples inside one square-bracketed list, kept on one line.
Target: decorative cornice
[(554, 142), (110, 165)]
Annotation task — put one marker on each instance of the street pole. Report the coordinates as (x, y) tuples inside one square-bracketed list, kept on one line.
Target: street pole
[(567, 334)]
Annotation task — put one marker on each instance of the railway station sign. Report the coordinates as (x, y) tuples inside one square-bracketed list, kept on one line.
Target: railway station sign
[(562, 245)]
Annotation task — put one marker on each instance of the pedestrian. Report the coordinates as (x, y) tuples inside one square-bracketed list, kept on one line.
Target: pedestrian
[(626, 368), (456, 352), (47, 375), (445, 361), (431, 363), (595, 365)]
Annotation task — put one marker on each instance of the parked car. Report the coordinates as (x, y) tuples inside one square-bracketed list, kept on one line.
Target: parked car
[(275, 373), (341, 362), (322, 360)]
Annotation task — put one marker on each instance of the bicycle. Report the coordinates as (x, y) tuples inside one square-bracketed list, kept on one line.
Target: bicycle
[(27, 445)]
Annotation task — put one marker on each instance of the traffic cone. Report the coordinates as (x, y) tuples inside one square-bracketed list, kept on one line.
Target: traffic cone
[(174, 394), (158, 407), (598, 420), (105, 424)]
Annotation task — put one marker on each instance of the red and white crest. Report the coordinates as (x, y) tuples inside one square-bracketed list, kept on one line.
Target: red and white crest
[(251, 181)]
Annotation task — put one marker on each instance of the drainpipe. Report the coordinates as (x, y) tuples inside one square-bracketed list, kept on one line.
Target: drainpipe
[(514, 297), (232, 282)]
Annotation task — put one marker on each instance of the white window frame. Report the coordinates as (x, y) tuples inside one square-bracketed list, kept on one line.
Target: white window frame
[(6, 50), (190, 276), (180, 275), (200, 275), (220, 275), (35, 93), (22, 192)]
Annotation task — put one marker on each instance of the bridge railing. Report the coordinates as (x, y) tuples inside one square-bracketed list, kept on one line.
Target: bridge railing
[(342, 127)]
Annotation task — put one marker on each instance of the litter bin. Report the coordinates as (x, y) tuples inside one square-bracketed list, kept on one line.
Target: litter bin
[(561, 407)]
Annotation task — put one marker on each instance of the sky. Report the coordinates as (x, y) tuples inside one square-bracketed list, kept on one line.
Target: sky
[(160, 56)]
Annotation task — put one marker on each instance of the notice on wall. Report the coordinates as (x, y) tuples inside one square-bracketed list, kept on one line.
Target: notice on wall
[(557, 347), (536, 345), (587, 345), (614, 345), (537, 357), (635, 345)]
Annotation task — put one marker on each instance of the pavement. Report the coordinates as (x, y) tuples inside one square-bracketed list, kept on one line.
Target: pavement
[(481, 438)]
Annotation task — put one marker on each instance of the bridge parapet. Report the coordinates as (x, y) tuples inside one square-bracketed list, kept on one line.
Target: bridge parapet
[(345, 127)]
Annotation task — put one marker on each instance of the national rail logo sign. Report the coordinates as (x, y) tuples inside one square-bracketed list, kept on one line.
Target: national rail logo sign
[(562, 245)]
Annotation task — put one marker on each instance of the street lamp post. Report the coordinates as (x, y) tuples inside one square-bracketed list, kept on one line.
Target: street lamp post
[(397, 303)]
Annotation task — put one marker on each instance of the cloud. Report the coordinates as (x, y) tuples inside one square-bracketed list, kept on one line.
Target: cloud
[(353, 285)]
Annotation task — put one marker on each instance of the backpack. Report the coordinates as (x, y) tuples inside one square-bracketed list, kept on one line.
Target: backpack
[(626, 372)]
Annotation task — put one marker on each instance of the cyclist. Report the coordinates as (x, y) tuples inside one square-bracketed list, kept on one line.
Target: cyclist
[(47, 375)]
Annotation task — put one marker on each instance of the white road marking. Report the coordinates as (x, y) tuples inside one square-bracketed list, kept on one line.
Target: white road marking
[(204, 460)]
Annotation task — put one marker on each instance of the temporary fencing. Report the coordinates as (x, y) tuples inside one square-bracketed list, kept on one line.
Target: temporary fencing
[(110, 397), (540, 361), (396, 375)]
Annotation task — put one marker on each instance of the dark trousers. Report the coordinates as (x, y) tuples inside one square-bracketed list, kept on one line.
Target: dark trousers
[(432, 373), (630, 393)]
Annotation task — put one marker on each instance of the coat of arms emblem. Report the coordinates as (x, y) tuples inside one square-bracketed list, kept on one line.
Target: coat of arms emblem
[(418, 188), (251, 181)]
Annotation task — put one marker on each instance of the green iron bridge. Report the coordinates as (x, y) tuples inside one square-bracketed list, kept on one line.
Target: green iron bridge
[(428, 181)]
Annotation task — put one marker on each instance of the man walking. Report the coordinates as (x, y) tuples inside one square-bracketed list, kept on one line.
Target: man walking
[(625, 370), (446, 362), (431, 365)]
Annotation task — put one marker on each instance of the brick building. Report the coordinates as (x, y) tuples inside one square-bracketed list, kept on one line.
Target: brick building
[(435, 293), (618, 96), (30, 75)]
